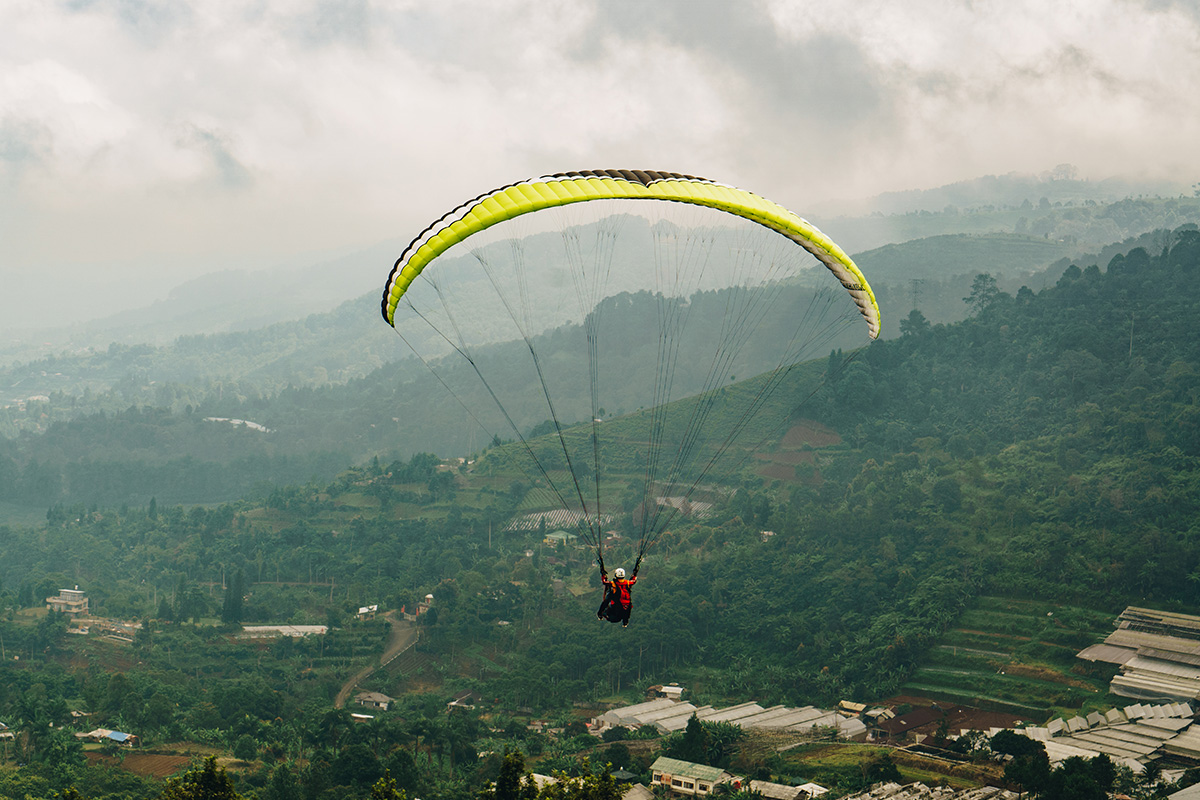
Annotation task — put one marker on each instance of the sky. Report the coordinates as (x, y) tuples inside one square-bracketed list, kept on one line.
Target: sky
[(144, 142)]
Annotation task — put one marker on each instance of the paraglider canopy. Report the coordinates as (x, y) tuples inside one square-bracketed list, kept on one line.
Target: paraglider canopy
[(606, 323), (565, 188)]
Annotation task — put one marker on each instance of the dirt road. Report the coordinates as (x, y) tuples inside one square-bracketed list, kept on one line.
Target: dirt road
[(402, 635)]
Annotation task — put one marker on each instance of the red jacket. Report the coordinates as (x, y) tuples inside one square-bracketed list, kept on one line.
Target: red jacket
[(620, 587)]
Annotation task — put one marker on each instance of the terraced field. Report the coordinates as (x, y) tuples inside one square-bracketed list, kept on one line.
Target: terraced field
[(1018, 656)]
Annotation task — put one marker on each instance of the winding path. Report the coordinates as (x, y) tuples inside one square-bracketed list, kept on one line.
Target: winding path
[(402, 636)]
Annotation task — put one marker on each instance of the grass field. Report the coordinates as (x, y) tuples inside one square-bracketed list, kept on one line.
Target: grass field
[(1019, 656), (840, 763)]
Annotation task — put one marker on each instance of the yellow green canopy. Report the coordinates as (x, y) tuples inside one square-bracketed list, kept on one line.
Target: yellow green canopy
[(576, 187)]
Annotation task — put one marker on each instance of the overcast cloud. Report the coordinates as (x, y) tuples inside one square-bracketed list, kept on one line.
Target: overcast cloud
[(144, 141)]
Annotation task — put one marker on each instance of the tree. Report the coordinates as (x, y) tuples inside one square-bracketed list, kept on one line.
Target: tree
[(231, 609), (283, 785), (881, 769), (693, 745), (1030, 771), (513, 783), (1014, 744), (586, 787), (914, 324), (385, 789), (205, 782), (245, 748), (984, 292)]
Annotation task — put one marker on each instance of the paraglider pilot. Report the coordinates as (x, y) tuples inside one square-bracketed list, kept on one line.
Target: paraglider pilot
[(618, 600)]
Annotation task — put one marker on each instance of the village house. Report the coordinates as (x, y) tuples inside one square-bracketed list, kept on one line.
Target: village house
[(105, 735), (374, 700), (368, 612), (671, 691), (69, 601), (685, 779), (559, 538), (422, 607), (921, 722)]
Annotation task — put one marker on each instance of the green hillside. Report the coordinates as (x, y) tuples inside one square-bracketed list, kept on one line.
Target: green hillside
[(967, 505)]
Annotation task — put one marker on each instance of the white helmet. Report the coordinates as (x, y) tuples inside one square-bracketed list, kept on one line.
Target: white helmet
[(620, 573)]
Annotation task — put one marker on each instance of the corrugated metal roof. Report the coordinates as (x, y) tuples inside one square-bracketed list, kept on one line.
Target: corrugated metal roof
[(737, 712), (826, 719), (676, 767), (796, 717), (680, 721), (1108, 653), (775, 791), (663, 713), (757, 720), (1159, 666)]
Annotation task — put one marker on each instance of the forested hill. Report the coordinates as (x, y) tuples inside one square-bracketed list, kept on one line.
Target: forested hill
[(1060, 430), (164, 445), (1048, 448)]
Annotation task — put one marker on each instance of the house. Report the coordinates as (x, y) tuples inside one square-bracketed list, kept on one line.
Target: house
[(672, 692), (923, 721), (374, 700), (69, 601), (559, 538), (105, 735), (683, 778), (368, 612), (422, 607), (848, 708)]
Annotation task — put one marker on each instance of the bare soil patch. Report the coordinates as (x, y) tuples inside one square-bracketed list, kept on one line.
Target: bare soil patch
[(778, 472), (154, 765), (811, 433)]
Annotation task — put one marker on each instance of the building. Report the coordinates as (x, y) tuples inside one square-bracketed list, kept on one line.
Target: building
[(1133, 736), (919, 791), (105, 735), (276, 631), (69, 601), (1157, 654), (422, 608), (559, 538), (921, 722), (668, 715), (374, 700), (368, 612), (671, 691), (779, 791), (683, 778)]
